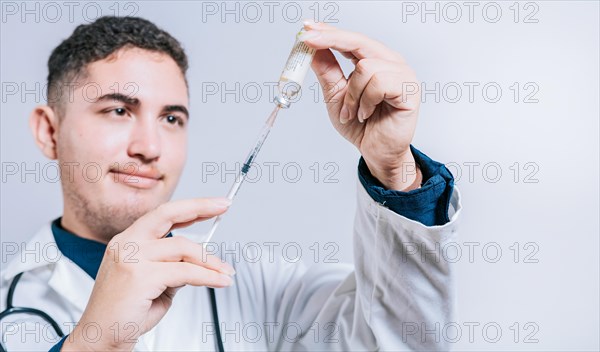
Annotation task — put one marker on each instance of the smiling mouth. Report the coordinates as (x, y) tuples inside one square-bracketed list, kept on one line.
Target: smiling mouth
[(139, 180)]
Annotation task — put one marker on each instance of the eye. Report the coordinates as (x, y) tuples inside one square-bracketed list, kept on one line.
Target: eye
[(120, 111), (174, 119)]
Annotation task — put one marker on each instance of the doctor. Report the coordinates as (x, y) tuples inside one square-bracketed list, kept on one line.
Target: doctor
[(119, 284)]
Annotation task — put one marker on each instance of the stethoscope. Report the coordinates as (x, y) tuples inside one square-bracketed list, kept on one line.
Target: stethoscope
[(10, 309)]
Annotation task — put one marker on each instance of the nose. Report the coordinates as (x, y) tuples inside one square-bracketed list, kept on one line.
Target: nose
[(145, 140)]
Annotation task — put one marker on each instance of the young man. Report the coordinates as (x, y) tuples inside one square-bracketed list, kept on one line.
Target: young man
[(114, 286)]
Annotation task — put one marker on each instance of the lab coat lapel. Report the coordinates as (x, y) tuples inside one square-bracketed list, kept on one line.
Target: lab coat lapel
[(66, 278), (38, 252), (72, 283)]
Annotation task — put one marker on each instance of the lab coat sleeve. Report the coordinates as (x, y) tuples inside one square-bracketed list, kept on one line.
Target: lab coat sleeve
[(398, 297)]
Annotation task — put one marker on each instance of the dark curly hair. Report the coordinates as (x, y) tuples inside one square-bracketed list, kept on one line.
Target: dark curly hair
[(101, 38)]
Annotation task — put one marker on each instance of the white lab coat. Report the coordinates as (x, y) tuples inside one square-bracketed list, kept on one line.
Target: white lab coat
[(377, 304)]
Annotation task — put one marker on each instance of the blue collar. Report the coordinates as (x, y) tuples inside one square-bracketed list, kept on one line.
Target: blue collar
[(87, 254)]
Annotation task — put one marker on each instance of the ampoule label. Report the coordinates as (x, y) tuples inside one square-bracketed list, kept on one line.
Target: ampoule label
[(298, 63)]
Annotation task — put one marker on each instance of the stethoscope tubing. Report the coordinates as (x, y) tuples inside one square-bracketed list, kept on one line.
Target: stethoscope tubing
[(10, 309)]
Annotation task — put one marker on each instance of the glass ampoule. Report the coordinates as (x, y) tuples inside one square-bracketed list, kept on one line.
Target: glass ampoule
[(294, 71)]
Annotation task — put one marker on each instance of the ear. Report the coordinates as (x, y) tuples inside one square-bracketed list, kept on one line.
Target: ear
[(43, 123)]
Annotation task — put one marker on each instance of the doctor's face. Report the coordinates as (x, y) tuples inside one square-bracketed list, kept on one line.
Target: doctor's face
[(122, 141)]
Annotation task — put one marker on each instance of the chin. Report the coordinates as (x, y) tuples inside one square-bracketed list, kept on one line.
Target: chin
[(118, 217), (144, 201)]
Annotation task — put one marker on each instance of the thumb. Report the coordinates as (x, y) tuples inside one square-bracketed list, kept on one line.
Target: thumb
[(330, 76)]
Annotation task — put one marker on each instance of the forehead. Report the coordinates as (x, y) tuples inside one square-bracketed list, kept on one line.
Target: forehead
[(152, 77)]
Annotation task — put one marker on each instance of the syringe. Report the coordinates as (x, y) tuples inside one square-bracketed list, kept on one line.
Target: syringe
[(291, 78), (247, 164)]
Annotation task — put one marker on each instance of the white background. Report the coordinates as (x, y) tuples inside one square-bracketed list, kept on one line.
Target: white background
[(554, 221)]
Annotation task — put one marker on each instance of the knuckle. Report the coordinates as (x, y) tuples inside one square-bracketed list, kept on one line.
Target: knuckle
[(362, 66), (162, 208), (187, 247), (180, 241), (118, 238), (114, 246), (132, 271), (350, 100), (378, 78), (208, 259), (217, 279)]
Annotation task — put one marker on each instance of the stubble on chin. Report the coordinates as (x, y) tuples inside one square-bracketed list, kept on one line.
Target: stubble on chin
[(105, 220)]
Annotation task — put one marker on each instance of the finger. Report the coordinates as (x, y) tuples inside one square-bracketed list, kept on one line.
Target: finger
[(176, 274), (349, 56), (158, 222), (171, 292), (384, 86), (177, 248), (328, 37), (191, 222), (330, 75), (357, 83)]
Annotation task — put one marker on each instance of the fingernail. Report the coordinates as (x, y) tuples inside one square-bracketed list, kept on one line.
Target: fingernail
[(344, 114), (228, 269), (227, 279), (309, 23), (361, 116), (308, 35), (222, 202)]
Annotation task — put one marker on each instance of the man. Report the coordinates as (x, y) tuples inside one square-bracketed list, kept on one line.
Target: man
[(121, 269)]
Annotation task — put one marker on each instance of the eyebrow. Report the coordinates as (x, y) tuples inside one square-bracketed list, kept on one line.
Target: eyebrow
[(136, 102), (119, 97), (177, 108)]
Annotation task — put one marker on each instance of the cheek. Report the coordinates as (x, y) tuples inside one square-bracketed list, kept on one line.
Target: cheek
[(91, 143), (174, 152)]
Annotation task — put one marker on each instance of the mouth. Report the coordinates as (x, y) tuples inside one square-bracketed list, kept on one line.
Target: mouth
[(140, 179)]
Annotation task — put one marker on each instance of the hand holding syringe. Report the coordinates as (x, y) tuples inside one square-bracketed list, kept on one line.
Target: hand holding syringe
[(290, 82)]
